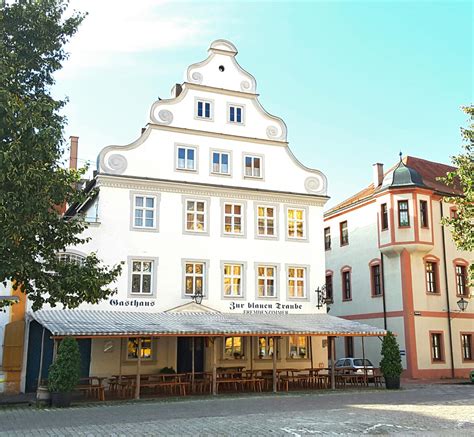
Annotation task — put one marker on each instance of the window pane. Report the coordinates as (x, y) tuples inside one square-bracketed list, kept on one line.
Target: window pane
[(139, 201), (199, 109), (135, 283), (181, 153), (232, 113), (146, 284), (147, 266), (239, 115), (137, 266)]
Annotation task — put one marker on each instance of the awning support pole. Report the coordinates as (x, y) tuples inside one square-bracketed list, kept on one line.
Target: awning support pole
[(310, 345), (214, 367), (41, 359), (274, 360), (333, 362), (363, 360), (251, 355), (139, 365), (192, 364)]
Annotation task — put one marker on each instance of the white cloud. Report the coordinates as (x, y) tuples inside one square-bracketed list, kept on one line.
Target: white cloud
[(115, 28)]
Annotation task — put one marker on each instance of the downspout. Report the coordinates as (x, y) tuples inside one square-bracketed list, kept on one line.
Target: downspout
[(383, 293), (447, 292)]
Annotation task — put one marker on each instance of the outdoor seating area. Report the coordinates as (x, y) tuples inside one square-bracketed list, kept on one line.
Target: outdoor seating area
[(228, 380)]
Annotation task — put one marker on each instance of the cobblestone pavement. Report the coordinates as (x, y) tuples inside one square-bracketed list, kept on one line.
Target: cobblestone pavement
[(437, 409)]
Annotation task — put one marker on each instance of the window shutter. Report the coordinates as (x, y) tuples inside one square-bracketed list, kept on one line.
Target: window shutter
[(13, 345)]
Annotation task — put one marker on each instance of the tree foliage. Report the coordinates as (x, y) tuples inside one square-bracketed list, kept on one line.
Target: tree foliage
[(33, 178), (391, 364), (64, 373), (462, 225)]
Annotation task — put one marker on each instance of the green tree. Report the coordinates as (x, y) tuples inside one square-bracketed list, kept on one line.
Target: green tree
[(462, 225), (33, 177), (64, 373)]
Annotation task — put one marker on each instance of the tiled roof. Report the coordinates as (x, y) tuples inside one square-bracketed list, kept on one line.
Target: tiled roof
[(428, 170), (89, 323)]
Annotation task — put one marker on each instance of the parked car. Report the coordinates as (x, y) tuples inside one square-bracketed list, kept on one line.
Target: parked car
[(354, 365)]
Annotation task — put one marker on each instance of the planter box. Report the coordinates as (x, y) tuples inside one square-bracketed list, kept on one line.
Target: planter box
[(392, 383)]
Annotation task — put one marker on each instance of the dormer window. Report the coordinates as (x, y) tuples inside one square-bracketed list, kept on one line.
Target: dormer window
[(236, 114), (204, 109)]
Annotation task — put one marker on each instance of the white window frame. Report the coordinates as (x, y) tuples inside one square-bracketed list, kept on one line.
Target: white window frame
[(233, 216), (195, 213), (298, 356), (242, 113), (220, 153), (144, 208), (297, 279), (265, 218), (186, 149), (154, 275), (253, 157), (195, 276), (295, 221), (70, 257), (141, 273), (242, 347), (266, 278), (211, 109), (231, 277)]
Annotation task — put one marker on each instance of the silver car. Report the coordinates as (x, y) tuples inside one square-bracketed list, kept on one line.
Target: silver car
[(354, 365)]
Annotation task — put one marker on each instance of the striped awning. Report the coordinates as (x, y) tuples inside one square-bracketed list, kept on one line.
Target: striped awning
[(90, 323)]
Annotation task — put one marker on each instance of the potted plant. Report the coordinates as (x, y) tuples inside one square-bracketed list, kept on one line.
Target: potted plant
[(391, 364), (64, 373)]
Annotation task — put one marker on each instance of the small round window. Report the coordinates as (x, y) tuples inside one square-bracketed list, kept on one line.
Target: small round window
[(221, 68)]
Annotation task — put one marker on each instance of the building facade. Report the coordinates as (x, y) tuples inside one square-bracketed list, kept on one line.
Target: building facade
[(391, 263), (208, 200)]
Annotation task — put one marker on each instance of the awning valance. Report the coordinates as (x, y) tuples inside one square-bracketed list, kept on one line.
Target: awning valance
[(93, 323)]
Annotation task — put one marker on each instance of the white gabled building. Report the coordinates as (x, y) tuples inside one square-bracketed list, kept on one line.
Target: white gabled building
[(209, 199)]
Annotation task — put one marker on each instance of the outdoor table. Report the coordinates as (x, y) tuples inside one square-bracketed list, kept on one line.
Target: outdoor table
[(89, 387)]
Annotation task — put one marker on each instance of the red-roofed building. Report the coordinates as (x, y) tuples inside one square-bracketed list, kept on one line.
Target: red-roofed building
[(390, 263)]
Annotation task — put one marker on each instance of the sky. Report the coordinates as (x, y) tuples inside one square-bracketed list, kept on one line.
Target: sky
[(355, 81)]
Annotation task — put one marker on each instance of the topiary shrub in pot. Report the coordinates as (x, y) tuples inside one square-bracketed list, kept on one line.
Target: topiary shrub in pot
[(391, 364), (64, 372)]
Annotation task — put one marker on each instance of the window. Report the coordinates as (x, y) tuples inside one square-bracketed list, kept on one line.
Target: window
[(142, 273), (186, 158), (453, 213), (461, 286), (220, 163), (144, 211), (466, 346), (296, 282), (298, 347), (327, 238), (233, 280), (194, 278), (349, 345), (343, 233), (236, 114), (403, 216), (346, 285), (71, 258), (376, 280), (424, 214), (384, 216), (329, 292), (204, 109), (296, 223), (233, 348), (196, 211), (431, 277), (132, 348), (233, 218), (266, 221), (265, 347), (253, 166), (436, 347), (266, 281)]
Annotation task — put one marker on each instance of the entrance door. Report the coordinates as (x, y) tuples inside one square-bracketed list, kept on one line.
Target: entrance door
[(184, 358)]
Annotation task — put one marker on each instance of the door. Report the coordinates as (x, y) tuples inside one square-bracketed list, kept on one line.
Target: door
[(185, 354)]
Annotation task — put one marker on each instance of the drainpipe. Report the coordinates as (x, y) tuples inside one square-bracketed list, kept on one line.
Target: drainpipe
[(383, 293), (447, 293)]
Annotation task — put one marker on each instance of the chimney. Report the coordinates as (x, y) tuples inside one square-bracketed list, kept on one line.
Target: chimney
[(73, 152), (377, 174)]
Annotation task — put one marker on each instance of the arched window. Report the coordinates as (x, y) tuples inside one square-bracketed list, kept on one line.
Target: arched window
[(375, 269), (70, 257)]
